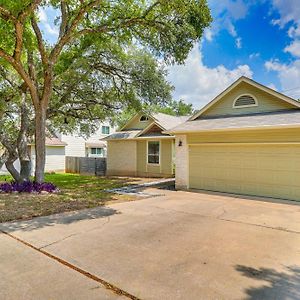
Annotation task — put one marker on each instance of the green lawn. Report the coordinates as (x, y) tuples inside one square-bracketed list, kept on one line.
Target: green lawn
[(76, 192)]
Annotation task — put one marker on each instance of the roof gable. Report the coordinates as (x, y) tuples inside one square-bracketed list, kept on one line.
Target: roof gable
[(267, 100), (162, 120), (134, 123)]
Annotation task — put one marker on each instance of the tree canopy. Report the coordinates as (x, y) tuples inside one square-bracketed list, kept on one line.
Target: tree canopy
[(162, 29)]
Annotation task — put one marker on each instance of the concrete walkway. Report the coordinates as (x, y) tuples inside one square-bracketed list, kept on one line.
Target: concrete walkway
[(179, 246), (142, 189)]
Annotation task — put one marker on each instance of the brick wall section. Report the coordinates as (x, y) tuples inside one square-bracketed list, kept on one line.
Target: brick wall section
[(181, 162)]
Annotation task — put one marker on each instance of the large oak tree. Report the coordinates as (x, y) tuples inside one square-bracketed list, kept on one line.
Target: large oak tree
[(167, 29)]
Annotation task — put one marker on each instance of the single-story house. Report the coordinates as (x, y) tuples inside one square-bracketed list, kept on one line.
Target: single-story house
[(141, 148), (55, 156), (245, 141), (58, 146)]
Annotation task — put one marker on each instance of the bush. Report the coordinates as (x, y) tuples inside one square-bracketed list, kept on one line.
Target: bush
[(28, 187)]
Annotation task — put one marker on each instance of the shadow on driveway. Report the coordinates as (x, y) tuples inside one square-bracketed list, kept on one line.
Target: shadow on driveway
[(66, 218), (278, 285)]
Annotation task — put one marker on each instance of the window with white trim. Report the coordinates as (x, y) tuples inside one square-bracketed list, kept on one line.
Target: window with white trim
[(153, 152), (97, 151), (105, 129), (244, 101)]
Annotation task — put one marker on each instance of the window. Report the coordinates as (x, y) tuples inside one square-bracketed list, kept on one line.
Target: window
[(153, 153), (144, 119), (244, 101), (97, 151), (105, 129)]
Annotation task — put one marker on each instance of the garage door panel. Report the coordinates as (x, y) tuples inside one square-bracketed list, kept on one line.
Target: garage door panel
[(263, 170)]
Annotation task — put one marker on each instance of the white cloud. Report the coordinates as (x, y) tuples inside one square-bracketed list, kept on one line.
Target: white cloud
[(254, 55), (238, 43), (42, 15), (289, 10), (294, 31), (293, 48), (46, 19), (288, 75), (53, 30), (226, 12), (208, 34), (198, 84)]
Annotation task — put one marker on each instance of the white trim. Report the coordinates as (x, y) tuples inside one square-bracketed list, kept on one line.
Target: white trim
[(244, 106), (155, 137), (281, 126), (245, 143), (188, 165), (252, 83), (173, 146), (159, 155), (145, 138)]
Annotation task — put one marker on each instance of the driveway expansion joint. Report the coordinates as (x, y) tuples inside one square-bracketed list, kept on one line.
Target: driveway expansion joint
[(229, 220), (106, 284)]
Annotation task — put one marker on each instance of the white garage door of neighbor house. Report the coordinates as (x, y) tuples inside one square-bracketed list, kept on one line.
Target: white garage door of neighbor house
[(251, 169)]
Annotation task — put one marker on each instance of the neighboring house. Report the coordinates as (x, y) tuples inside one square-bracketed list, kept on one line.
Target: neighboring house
[(60, 146), (55, 156), (91, 147), (245, 141), (141, 148)]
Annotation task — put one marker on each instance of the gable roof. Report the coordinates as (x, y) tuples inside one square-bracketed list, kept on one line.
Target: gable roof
[(55, 141), (252, 83), (163, 121)]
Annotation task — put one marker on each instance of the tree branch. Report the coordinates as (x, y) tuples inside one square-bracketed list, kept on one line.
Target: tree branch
[(40, 42), (64, 18), (6, 15), (65, 38)]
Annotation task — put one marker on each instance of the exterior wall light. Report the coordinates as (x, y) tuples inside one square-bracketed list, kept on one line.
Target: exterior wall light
[(180, 143)]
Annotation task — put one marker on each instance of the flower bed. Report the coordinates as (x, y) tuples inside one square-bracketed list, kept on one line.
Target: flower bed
[(28, 187)]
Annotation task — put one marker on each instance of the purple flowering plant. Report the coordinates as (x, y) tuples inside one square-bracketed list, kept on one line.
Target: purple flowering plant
[(27, 187)]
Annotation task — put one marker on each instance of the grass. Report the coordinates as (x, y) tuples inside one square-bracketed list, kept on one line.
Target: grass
[(76, 192)]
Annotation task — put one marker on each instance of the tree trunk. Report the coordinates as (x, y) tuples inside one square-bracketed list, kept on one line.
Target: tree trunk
[(22, 142), (11, 168), (25, 170), (3, 158), (40, 140)]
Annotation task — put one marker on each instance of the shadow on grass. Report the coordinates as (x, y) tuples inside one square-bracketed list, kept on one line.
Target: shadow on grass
[(67, 218), (277, 285)]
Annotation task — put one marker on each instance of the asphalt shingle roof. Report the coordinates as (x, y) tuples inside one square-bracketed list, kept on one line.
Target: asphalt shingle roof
[(122, 135), (283, 118)]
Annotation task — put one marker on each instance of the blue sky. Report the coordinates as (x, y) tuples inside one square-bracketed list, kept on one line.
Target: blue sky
[(256, 38), (259, 39)]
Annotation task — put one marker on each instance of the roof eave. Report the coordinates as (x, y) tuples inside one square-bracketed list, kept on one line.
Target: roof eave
[(281, 126)]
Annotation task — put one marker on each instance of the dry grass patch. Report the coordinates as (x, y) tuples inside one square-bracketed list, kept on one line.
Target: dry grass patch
[(76, 192)]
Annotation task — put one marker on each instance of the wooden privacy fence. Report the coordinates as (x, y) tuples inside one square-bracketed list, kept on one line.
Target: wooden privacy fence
[(86, 165)]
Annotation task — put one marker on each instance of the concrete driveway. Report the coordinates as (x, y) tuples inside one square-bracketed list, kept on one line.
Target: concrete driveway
[(182, 245)]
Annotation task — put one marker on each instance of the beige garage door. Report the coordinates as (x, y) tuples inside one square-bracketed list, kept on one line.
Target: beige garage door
[(262, 170)]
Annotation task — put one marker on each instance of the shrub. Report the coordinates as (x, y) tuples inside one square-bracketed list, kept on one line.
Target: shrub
[(28, 187)]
